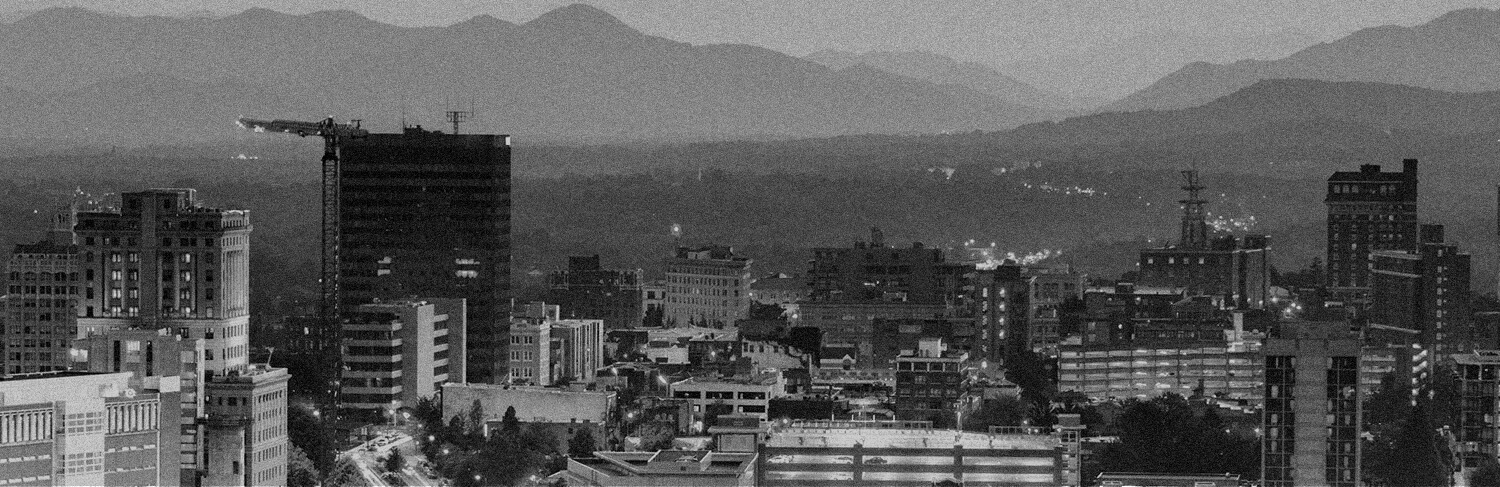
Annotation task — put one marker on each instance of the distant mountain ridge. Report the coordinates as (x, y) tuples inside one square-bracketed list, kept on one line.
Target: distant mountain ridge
[(1459, 51), (945, 70), (574, 71)]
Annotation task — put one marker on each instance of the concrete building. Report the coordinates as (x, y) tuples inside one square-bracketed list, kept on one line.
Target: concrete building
[(246, 441), (666, 468), (1368, 210), (931, 383), (1236, 269), (545, 349), (779, 290), (1426, 289), (160, 363), (654, 303), (1313, 410), (1050, 286), (730, 395), (38, 312), (69, 428), (1143, 479), (166, 261), (707, 286), (859, 453), (424, 213), (586, 290), (1000, 304), (561, 411), (1146, 359), (397, 352), (1477, 433)]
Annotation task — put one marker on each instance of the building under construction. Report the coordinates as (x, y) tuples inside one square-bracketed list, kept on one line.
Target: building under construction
[(423, 213)]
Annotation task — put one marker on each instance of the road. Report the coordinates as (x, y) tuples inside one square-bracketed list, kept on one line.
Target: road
[(370, 463)]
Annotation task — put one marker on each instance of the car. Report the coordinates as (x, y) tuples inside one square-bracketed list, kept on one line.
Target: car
[(875, 461)]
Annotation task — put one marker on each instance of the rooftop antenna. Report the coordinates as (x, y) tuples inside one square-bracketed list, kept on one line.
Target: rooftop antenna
[(1194, 226), (458, 116)]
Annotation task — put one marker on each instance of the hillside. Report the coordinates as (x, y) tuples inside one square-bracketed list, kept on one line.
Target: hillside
[(1459, 51), (944, 70)]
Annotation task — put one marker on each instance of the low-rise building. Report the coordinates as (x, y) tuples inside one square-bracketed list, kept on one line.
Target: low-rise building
[(858, 453), (1478, 429), (562, 411), (743, 395), (246, 427), (666, 468), (931, 383), (547, 350), (1141, 479), (397, 352)]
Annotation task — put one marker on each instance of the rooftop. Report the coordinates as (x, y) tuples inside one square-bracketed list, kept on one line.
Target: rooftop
[(1478, 357), (874, 434)]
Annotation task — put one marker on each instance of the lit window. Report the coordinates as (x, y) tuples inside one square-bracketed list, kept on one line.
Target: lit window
[(468, 274)]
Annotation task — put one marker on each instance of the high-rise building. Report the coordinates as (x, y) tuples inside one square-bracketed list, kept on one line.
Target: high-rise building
[(165, 261), (70, 428), (37, 312), (397, 352), (1478, 429), (1368, 210), (428, 214), (707, 286), (1050, 287), (246, 439), (1426, 289), (1234, 268), (586, 290), (160, 362), (1312, 416)]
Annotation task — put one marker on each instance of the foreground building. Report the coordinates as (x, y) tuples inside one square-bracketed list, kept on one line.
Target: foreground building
[(1313, 407), (397, 352), (38, 311), (1478, 430), (546, 350), (246, 428), (423, 213), (1147, 359), (1427, 290), (67, 428), (860, 453), (666, 468)]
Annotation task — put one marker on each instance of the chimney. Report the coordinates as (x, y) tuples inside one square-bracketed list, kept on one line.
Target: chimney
[(877, 238), (1409, 167)]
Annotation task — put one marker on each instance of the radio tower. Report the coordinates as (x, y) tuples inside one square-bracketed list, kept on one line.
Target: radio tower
[(1194, 226)]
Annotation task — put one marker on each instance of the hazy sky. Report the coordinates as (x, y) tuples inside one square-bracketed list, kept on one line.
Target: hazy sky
[(995, 32)]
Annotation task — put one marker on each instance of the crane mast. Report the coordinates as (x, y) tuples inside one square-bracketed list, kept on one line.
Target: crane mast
[(333, 134)]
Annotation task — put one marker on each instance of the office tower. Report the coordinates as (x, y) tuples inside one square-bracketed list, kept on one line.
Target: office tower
[(1426, 289), (586, 290), (1368, 210), (165, 261), (707, 286), (69, 428), (1237, 269), (1312, 416), (38, 318), (397, 352), (245, 442), (546, 350), (1001, 307), (930, 382), (428, 214), (160, 362)]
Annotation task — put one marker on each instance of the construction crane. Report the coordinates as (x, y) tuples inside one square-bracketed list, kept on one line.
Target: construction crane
[(333, 134)]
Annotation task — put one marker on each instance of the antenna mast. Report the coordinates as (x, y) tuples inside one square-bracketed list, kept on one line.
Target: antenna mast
[(1194, 226), (458, 116)]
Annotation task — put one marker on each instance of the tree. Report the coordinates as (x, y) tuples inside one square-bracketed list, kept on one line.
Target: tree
[(344, 474), (1164, 435), (1001, 411), (476, 420), (300, 471), (395, 461), (509, 423), (429, 412), (655, 436), (582, 444), (308, 432), (1415, 456)]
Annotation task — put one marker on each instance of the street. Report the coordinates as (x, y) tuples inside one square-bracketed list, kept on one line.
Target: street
[(371, 463)]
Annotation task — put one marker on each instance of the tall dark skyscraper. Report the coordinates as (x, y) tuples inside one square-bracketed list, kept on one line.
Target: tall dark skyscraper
[(428, 214), (1368, 210)]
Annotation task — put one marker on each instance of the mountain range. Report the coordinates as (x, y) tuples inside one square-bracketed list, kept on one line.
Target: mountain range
[(1459, 51), (572, 72), (944, 70)]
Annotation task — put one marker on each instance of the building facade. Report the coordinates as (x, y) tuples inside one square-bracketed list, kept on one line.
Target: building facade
[(586, 290), (67, 428), (428, 214), (1427, 290), (546, 350), (836, 453), (163, 260), (1368, 210), (931, 382), (730, 395), (398, 352), (875, 272), (1313, 396), (707, 286), (246, 440), (38, 313), (1478, 429)]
